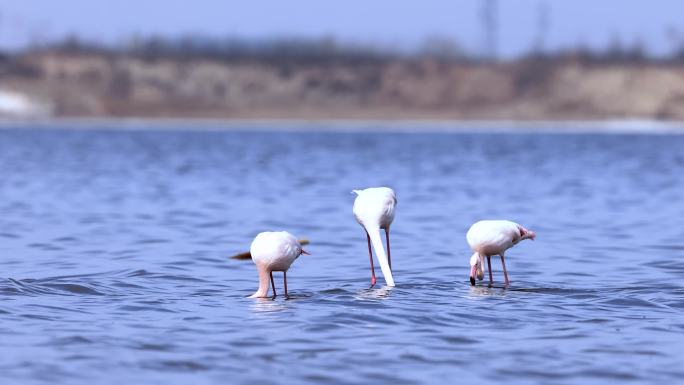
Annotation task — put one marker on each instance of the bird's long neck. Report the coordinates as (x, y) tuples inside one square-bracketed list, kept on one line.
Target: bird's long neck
[(374, 233), (264, 280)]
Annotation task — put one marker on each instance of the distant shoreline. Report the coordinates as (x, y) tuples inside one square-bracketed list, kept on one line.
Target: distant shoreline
[(94, 85), (614, 126)]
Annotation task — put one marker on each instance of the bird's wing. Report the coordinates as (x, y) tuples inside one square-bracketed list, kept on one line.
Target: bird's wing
[(390, 203), (497, 237), (493, 234)]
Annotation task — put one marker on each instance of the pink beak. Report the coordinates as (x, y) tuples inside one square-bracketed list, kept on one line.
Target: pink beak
[(473, 274)]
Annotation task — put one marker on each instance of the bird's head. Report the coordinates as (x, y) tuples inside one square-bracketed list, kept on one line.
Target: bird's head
[(476, 269), (301, 243), (526, 234)]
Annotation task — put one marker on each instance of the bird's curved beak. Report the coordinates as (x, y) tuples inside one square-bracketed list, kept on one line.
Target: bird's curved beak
[(305, 252), (473, 274)]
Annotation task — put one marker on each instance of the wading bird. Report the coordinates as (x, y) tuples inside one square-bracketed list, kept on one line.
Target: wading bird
[(273, 251), (487, 238), (374, 210)]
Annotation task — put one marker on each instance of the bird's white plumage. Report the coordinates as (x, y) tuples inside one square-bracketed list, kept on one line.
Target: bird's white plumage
[(276, 250), (374, 210), (493, 237), (375, 206)]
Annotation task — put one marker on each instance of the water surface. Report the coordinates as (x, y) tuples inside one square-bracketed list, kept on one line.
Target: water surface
[(114, 251)]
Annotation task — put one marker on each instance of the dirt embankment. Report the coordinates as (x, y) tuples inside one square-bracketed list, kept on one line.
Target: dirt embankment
[(100, 85)]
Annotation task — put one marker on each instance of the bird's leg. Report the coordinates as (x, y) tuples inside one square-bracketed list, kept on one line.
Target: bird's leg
[(503, 263), (285, 281), (489, 269), (370, 253), (273, 284), (389, 254)]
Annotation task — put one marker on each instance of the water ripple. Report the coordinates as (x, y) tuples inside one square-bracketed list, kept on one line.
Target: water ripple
[(115, 256)]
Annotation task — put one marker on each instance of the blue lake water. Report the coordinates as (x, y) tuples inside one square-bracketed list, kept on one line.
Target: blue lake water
[(115, 245)]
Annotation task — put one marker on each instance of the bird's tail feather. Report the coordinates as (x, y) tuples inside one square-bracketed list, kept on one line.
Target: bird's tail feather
[(248, 255)]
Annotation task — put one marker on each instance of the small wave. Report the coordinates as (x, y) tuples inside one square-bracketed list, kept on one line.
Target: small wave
[(157, 347), (176, 365), (149, 241), (33, 287), (71, 340), (95, 284), (44, 246), (74, 288), (150, 307)]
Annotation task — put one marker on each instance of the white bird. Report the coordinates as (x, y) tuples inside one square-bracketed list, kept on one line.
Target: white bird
[(487, 238), (374, 210), (273, 251)]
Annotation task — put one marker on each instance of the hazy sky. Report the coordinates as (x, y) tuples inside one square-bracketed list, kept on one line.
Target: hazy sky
[(397, 23)]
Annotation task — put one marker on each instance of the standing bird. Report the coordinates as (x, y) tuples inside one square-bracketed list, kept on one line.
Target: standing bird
[(374, 210), (487, 238), (273, 251)]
